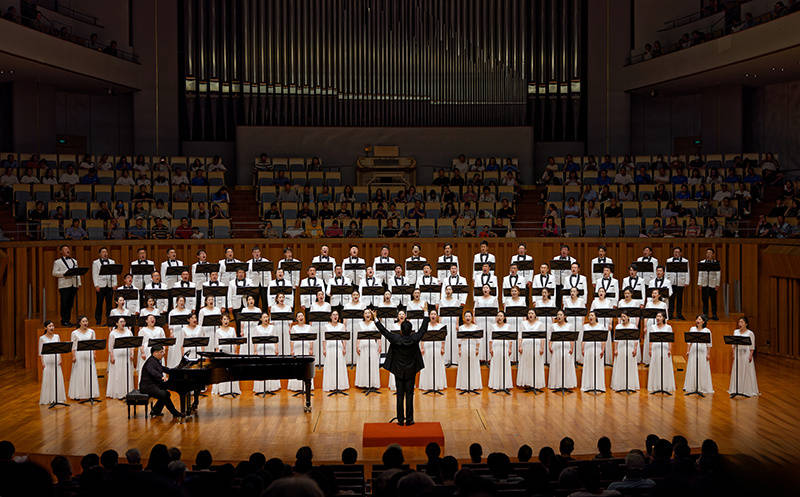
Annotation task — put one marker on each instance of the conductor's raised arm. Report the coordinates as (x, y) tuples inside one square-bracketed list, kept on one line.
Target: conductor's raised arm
[(391, 337), (423, 328)]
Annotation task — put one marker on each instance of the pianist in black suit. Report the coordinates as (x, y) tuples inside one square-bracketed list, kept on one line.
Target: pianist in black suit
[(153, 384), (404, 360)]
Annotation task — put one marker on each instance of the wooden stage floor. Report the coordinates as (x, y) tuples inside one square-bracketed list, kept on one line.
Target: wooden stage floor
[(767, 427)]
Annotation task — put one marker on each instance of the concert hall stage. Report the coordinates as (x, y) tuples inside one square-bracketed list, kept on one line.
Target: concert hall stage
[(765, 427)]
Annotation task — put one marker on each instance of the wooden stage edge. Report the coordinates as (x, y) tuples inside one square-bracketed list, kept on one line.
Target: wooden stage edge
[(765, 427)]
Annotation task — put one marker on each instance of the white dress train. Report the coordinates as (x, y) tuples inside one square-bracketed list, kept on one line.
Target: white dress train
[(562, 363), (530, 371), (83, 377), (433, 360), (661, 359), (368, 360), (593, 376), (469, 366), (334, 374), (120, 372), (500, 365), (745, 382), (626, 363), (266, 349), (301, 348), (698, 362), (52, 383), (228, 386)]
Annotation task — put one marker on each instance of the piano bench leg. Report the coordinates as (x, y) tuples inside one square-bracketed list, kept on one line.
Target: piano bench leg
[(129, 412)]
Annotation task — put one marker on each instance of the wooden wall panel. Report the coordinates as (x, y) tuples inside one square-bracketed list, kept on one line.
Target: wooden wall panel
[(748, 261)]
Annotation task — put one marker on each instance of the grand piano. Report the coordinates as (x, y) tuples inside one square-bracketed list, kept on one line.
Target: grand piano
[(218, 367)]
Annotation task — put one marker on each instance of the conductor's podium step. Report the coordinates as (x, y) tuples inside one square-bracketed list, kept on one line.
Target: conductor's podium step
[(416, 435)]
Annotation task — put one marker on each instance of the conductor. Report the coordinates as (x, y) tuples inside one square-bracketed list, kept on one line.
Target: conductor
[(404, 360), (153, 383)]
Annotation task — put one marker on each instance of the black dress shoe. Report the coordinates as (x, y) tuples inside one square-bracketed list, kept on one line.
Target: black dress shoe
[(401, 423), (409, 423), (714, 318), (156, 414)]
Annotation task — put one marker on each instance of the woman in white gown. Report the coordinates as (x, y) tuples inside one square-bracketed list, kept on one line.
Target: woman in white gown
[(147, 332), (318, 327), (334, 374), (388, 302), (654, 302), (514, 322), (191, 330), (546, 301), (176, 332), (500, 356), (698, 361), (628, 302), (625, 375), (575, 301), (225, 330), (368, 354), (416, 304), (246, 327), (433, 358), (52, 382), (355, 304), (469, 366), (530, 371), (119, 310), (661, 375), (209, 331), (120, 370), (450, 304), (603, 302), (745, 382), (485, 322), (281, 327), (265, 329), (300, 347), (83, 378), (562, 365), (150, 308), (593, 376)]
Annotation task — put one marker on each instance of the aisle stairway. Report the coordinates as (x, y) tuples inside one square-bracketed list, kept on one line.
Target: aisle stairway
[(529, 212), (244, 213)]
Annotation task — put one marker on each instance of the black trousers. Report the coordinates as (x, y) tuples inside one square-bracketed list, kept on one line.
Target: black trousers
[(405, 395), (676, 302), (709, 294), (67, 296), (263, 298), (104, 295), (162, 399)]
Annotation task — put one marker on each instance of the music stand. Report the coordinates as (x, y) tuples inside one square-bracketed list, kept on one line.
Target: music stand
[(56, 349), (179, 319), (318, 317), (628, 335), (248, 317), (290, 266), (233, 267), (439, 335), (232, 342), (469, 335), (282, 316), (352, 314), (560, 265), (504, 336), (207, 268), (477, 267), (262, 266), (214, 291), (196, 342), (477, 291), (310, 291), (75, 273), (142, 270), (341, 290), (403, 291), (245, 291), (598, 267), (187, 292), (563, 336), (674, 268), (415, 314), (264, 340), (126, 293), (595, 336), (418, 265), (534, 335), (369, 335), (373, 291), (213, 320), (90, 346), (451, 312), (643, 267), (386, 313), (661, 337), (430, 290), (157, 294), (177, 270), (736, 341), (128, 343), (302, 338), (524, 265), (696, 337), (547, 312), (353, 267), (443, 266), (663, 291), (337, 336), (110, 270), (387, 268)]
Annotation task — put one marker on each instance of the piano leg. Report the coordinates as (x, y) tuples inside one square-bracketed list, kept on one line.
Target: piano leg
[(307, 407), (182, 396)]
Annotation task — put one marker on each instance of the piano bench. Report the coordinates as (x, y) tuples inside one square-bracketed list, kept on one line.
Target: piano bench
[(136, 398)]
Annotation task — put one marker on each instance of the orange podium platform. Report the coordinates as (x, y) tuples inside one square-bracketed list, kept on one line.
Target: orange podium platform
[(416, 435)]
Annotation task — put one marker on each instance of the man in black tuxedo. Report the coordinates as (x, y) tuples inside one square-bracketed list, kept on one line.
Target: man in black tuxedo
[(153, 383), (404, 361)]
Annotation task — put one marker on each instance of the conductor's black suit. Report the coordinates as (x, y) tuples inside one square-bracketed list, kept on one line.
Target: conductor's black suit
[(404, 361)]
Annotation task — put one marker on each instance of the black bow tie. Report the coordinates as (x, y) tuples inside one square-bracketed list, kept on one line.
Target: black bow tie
[(103, 261)]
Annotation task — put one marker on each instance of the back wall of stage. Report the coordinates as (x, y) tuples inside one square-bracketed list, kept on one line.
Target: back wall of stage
[(768, 273)]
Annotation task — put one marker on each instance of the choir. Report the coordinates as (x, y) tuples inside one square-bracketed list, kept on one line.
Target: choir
[(515, 316)]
